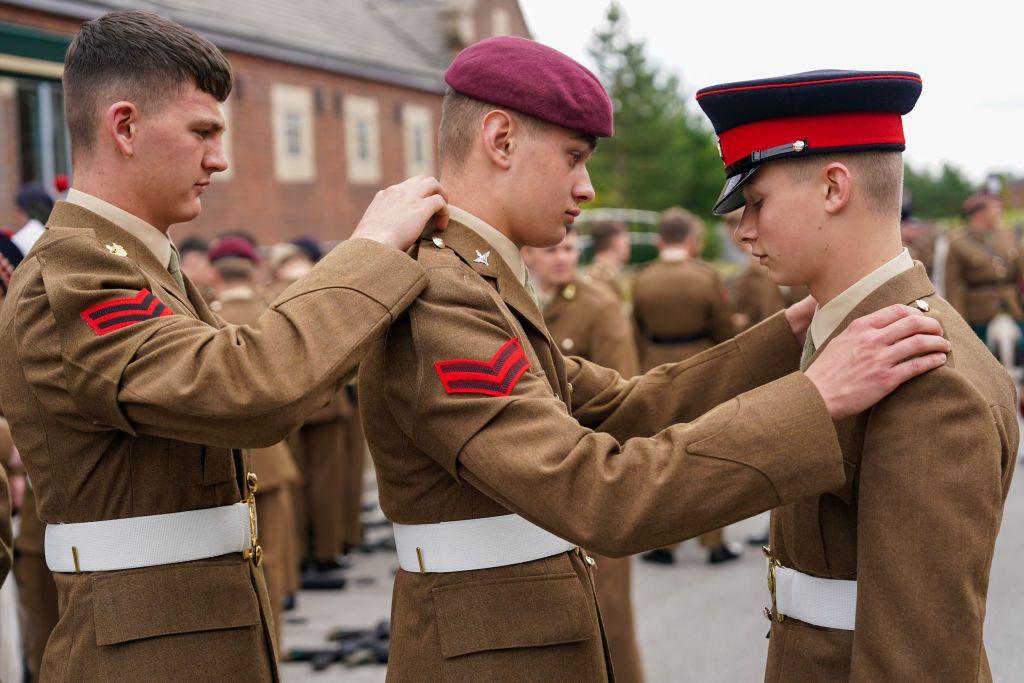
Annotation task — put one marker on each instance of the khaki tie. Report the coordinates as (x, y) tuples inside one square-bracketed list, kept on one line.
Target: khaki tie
[(174, 268), (805, 357)]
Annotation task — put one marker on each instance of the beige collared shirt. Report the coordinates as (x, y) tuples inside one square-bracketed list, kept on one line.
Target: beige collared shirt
[(502, 244), (673, 254), (156, 241), (828, 317)]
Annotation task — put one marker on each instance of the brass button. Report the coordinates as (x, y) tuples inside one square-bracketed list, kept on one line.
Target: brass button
[(252, 482), (922, 305), (257, 556), (438, 242), (568, 344)]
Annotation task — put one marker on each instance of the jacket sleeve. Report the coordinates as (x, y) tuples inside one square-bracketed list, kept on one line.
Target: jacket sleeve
[(680, 392), (510, 438), (930, 501), (178, 377)]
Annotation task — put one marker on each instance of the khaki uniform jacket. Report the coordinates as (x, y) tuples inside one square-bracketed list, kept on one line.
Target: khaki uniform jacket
[(757, 297), (584, 320), (680, 308), (556, 449), (607, 279), (928, 470), (146, 419), (983, 276), (274, 465)]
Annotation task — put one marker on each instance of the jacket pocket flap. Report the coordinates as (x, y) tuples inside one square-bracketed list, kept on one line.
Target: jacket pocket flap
[(160, 601), (498, 614)]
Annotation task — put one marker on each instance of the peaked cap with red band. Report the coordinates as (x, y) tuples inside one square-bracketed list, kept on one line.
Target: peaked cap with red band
[(534, 79), (816, 112)]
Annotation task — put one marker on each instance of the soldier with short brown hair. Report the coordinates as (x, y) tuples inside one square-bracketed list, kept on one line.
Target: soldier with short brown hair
[(130, 400)]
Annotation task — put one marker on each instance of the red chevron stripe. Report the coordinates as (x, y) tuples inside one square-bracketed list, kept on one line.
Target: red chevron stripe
[(116, 314), (496, 377)]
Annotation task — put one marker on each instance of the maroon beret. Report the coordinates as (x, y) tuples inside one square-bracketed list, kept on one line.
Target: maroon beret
[(978, 200), (232, 246), (533, 79)]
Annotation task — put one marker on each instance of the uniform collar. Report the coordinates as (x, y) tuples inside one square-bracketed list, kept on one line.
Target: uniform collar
[(156, 241), (494, 237), (828, 317), (674, 254), (242, 293)]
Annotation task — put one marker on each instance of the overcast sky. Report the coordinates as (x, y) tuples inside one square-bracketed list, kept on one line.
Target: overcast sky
[(971, 112)]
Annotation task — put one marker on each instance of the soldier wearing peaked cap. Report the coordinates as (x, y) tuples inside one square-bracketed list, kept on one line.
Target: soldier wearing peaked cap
[(129, 399), (883, 577), (498, 457)]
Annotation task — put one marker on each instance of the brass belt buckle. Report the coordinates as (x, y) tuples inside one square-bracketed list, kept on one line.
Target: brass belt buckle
[(254, 552), (773, 611)]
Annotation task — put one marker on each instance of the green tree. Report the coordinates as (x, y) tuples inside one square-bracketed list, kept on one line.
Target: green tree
[(936, 195), (662, 154)]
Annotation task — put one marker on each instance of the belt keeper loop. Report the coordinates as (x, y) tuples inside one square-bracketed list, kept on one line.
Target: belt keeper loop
[(419, 558), (74, 555)]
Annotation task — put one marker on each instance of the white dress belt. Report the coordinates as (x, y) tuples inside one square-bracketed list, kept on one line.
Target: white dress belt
[(474, 544), (148, 541), (830, 603)]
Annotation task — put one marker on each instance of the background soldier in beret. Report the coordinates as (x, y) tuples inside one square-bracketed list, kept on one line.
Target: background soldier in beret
[(984, 266), (129, 398), (883, 578), (234, 264), (612, 249), (497, 456), (586, 320)]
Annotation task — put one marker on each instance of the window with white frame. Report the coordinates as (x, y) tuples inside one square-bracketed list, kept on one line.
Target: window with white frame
[(362, 139), (418, 139), (294, 152)]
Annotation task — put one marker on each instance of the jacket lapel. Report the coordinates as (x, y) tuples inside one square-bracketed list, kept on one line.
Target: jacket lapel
[(905, 288)]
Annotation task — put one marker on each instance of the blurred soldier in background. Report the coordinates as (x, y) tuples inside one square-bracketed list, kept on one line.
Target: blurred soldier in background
[(919, 237), (34, 206), (585, 320), (680, 308), (611, 253), (983, 267), (234, 261), (195, 263)]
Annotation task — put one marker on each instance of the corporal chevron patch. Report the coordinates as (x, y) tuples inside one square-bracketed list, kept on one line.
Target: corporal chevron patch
[(496, 377), (118, 313)]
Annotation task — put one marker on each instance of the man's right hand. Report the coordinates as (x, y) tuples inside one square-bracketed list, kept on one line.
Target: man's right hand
[(873, 356), (397, 215)]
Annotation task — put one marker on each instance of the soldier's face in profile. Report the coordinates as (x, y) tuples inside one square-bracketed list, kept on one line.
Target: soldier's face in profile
[(551, 182), (782, 225), (178, 149), (554, 266)]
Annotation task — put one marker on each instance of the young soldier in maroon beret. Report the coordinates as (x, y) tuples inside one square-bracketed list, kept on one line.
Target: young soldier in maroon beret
[(884, 577), (128, 398), (498, 458)]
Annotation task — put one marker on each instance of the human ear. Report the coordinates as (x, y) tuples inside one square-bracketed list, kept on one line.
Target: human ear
[(120, 123), (498, 138), (837, 183)]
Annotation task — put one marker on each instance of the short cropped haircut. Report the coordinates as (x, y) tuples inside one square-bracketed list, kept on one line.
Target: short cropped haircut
[(676, 224), (604, 234), (234, 268), (460, 121), (139, 57), (879, 173)]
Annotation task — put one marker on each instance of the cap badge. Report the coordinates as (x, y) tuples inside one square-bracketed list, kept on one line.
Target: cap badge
[(799, 146), (438, 242), (116, 249), (720, 155), (483, 258)]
